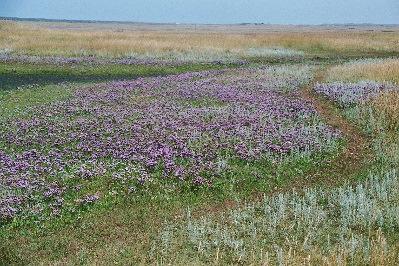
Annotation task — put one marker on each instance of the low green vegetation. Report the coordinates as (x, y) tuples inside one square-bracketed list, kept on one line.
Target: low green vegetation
[(17, 103), (355, 224), (14, 75)]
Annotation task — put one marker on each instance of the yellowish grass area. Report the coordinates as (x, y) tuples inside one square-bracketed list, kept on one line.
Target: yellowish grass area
[(386, 105), (384, 70), (39, 39)]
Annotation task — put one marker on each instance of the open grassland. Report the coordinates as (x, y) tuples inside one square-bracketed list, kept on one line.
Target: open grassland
[(382, 70), (195, 44), (204, 163)]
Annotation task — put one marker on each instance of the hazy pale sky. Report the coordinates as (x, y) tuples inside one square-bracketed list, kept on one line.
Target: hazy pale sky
[(209, 11)]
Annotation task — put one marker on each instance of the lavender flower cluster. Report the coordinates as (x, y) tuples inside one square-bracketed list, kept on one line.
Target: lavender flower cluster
[(348, 94), (177, 128)]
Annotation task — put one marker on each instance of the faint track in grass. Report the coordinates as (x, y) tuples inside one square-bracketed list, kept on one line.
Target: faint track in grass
[(356, 154), (354, 157), (346, 167)]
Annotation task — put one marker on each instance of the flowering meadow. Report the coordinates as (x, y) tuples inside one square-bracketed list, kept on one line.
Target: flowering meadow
[(247, 144), (186, 130)]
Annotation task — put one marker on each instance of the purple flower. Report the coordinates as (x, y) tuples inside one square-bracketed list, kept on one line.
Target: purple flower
[(88, 199), (186, 124)]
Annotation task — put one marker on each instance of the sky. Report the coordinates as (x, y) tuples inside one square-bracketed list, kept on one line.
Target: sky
[(209, 11)]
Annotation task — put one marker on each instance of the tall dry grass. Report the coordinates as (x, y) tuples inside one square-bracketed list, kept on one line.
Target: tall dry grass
[(384, 70), (38, 39), (386, 105), (382, 111)]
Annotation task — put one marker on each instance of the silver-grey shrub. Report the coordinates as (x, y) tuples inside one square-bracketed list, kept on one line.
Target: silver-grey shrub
[(340, 223)]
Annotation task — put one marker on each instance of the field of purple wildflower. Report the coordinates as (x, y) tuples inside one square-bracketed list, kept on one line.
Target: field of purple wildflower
[(122, 137), (225, 145)]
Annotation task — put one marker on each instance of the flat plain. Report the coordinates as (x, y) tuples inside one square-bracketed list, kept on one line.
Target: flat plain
[(129, 143)]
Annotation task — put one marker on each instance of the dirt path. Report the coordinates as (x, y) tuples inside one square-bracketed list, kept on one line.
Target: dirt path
[(356, 154)]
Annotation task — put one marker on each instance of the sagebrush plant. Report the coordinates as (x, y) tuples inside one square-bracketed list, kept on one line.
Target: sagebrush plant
[(382, 128), (344, 225), (378, 116), (353, 94)]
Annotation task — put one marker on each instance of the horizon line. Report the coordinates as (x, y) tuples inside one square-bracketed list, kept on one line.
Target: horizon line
[(186, 23)]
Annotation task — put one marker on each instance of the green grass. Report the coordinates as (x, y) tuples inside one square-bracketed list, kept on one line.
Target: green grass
[(14, 75), (204, 102), (17, 102)]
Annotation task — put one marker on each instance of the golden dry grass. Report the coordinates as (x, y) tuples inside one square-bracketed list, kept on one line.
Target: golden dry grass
[(39, 39), (386, 105), (384, 70)]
